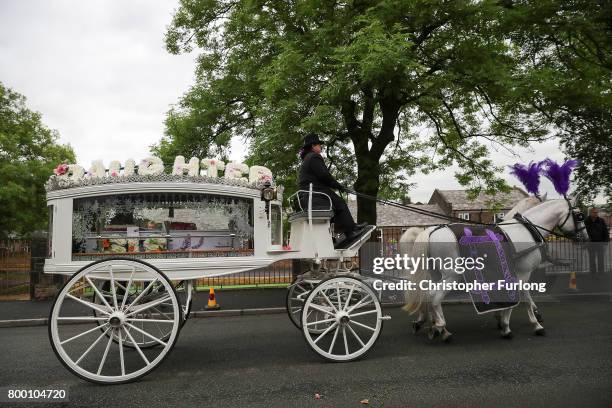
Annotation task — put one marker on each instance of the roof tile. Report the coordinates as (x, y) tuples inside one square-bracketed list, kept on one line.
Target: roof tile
[(460, 201), (388, 216)]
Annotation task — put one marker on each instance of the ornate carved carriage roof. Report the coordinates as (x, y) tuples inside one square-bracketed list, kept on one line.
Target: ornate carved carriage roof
[(60, 183)]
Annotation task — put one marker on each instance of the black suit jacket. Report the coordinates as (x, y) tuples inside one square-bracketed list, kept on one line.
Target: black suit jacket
[(597, 229), (314, 170)]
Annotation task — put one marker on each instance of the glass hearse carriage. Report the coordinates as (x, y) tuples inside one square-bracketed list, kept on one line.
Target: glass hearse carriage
[(133, 240)]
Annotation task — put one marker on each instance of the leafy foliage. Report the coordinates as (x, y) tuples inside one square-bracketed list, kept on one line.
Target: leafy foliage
[(28, 153), (395, 86), (568, 52)]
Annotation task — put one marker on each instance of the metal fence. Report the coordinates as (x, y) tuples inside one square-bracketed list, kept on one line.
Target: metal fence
[(21, 263), (15, 268), (278, 274), (569, 257), (22, 277)]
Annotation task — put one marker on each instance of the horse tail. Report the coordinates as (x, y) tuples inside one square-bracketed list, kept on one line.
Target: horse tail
[(406, 241), (416, 297)]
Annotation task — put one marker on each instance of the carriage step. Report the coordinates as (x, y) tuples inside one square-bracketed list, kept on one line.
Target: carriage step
[(385, 317), (348, 244)]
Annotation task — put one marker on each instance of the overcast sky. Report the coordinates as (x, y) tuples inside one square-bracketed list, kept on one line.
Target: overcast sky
[(99, 74)]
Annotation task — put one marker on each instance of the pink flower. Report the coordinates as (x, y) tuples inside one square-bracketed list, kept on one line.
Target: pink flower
[(286, 247), (213, 162), (114, 173), (265, 177), (61, 169)]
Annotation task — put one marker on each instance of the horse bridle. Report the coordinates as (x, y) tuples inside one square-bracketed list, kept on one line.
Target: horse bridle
[(577, 217)]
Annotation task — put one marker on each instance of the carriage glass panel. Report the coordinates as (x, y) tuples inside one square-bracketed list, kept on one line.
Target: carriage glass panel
[(276, 225), (162, 225)]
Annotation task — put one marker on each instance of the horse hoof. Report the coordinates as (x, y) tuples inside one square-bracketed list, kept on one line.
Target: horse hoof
[(447, 338), (498, 320), (508, 335), (416, 326), (538, 316), (432, 334), (540, 332)]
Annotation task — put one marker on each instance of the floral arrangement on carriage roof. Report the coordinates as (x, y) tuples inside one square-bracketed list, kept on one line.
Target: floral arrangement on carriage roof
[(151, 169)]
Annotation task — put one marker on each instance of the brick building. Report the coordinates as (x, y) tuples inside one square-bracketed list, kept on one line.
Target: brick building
[(483, 208), (394, 221)]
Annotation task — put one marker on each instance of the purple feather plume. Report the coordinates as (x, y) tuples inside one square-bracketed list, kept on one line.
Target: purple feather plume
[(528, 175), (559, 175)]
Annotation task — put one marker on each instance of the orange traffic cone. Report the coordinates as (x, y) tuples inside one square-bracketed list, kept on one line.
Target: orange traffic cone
[(572, 282), (212, 300)]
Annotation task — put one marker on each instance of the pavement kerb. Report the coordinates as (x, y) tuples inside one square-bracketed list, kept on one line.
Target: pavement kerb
[(23, 322), (602, 296)]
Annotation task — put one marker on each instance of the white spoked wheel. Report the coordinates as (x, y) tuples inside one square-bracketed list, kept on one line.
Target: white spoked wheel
[(145, 318), (353, 316), (107, 347), (296, 297)]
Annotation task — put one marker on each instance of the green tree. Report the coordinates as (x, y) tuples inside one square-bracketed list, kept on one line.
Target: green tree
[(396, 86), (568, 51), (28, 153)]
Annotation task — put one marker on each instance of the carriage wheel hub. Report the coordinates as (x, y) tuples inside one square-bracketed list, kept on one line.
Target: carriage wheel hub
[(342, 317), (117, 319)]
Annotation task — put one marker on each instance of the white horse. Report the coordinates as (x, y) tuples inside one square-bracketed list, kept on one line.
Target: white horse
[(526, 203), (409, 236), (559, 213)]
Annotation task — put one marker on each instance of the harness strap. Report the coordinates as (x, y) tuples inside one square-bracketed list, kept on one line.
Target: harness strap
[(540, 242), (533, 230)]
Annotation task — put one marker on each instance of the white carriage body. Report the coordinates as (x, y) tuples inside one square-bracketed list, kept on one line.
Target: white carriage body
[(220, 251), (122, 239)]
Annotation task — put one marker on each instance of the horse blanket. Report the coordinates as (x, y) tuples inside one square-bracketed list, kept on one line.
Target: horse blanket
[(497, 254)]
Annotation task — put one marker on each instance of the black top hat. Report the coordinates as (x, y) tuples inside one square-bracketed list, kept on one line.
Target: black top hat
[(312, 139)]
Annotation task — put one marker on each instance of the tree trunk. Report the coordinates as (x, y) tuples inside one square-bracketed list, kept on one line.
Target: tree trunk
[(368, 182), (368, 156)]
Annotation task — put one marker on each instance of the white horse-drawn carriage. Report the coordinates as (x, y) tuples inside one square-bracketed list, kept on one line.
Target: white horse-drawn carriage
[(133, 242)]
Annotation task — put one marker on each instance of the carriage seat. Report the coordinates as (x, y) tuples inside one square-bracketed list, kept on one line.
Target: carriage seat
[(316, 215), (321, 206)]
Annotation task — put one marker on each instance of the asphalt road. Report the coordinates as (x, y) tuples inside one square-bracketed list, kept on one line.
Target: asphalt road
[(263, 361)]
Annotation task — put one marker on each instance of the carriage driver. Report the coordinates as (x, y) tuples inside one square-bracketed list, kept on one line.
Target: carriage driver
[(313, 170)]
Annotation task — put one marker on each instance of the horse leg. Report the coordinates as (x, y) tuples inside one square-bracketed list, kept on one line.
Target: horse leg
[(538, 329), (506, 333), (438, 327), (532, 308), (497, 316), (421, 319)]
